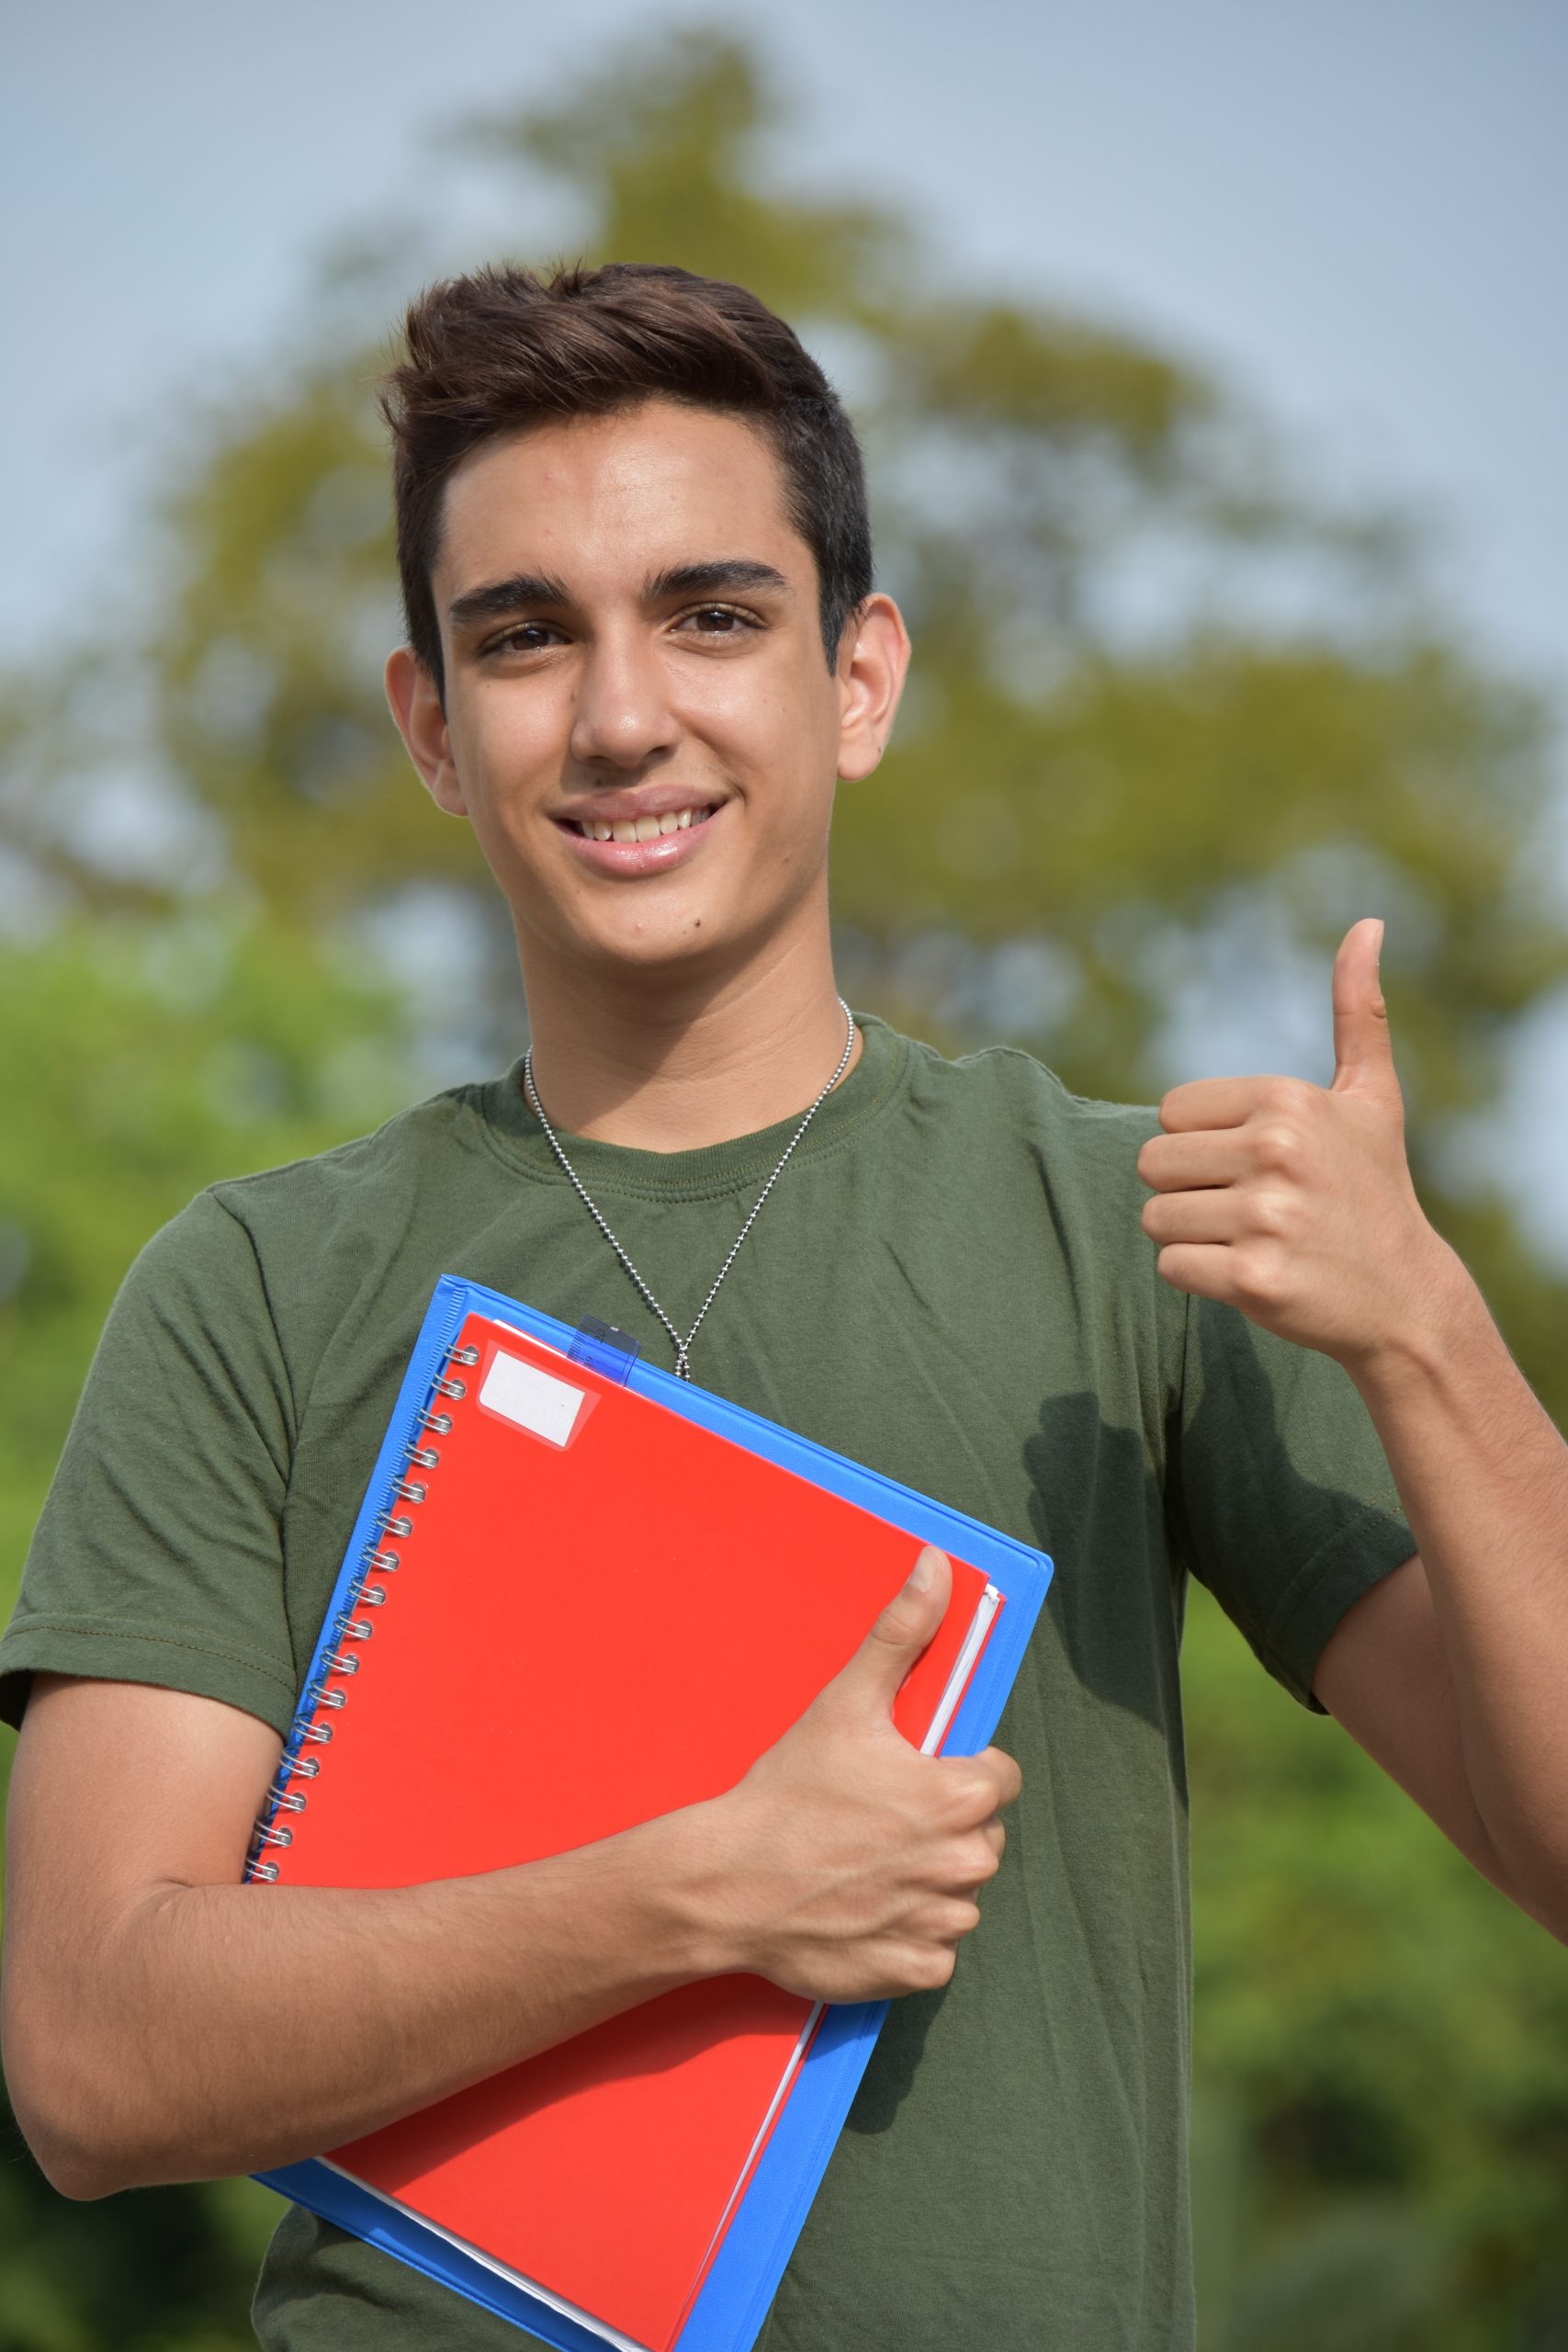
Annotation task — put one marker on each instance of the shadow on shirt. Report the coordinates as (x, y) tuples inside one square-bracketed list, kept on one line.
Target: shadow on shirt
[(1224, 1499)]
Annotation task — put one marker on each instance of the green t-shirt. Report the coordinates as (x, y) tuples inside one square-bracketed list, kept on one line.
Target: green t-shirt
[(951, 1284)]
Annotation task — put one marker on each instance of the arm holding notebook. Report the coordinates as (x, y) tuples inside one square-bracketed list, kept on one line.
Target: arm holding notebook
[(163, 2023)]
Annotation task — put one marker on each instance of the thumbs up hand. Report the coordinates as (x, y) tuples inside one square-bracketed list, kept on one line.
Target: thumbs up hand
[(846, 1863), (1294, 1201)]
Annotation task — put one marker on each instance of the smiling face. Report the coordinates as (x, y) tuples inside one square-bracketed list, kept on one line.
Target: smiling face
[(640, 721)]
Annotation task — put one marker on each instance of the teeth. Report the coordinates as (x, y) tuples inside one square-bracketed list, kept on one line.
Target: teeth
[(642, 829)]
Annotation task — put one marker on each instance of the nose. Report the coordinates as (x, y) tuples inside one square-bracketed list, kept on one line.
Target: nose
[(623, 717)]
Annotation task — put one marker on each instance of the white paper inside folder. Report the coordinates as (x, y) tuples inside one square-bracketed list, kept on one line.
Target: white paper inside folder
[(534, 1400), (963, 1668)]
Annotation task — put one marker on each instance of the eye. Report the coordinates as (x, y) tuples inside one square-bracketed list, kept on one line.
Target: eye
[(523, 637), (719, 620)]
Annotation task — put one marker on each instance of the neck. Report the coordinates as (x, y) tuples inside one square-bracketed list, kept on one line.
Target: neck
[(678, 1065)]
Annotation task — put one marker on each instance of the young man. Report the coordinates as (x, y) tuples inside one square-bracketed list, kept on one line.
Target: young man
[(644, 645)]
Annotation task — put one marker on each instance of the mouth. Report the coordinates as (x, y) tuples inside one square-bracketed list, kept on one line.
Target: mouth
[(636, 828), (625, 843)]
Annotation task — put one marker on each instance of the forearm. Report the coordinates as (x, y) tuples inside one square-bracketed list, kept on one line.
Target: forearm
[(163, 2023), (231, 2028), (1483, 1474)]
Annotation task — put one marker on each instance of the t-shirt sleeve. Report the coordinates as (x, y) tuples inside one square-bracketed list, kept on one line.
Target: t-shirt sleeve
[(1280, 1495), (158, 1557)]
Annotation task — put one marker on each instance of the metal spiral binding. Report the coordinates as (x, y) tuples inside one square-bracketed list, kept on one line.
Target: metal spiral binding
[(378, 1559)]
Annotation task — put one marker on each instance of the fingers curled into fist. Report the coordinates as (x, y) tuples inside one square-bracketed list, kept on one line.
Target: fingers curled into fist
[(851, 1863), (1293, 1202)]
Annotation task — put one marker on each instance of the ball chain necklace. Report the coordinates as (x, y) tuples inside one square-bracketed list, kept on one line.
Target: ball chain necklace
[(683, 1347)]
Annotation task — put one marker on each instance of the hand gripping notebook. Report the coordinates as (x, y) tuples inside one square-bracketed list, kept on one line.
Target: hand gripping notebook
[(581, 1593)]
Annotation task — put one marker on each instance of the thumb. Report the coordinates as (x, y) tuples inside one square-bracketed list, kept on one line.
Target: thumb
[(871, 1677), (1363, 1058)]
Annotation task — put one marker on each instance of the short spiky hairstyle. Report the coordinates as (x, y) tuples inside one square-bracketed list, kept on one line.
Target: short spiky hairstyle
[(495, 351)]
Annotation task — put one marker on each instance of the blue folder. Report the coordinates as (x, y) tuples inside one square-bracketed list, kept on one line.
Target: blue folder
[(735, 2296)]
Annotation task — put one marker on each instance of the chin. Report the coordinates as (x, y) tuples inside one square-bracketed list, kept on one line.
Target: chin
[(652, 948)]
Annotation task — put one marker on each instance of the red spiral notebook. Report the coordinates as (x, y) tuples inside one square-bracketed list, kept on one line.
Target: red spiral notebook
[(575, 1609)]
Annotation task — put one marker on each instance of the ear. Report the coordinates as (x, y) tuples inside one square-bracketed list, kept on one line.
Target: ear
[(417, 705), (874, 658)]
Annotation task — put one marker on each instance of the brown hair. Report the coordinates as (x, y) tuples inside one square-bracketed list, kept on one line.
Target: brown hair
[(503, 349)]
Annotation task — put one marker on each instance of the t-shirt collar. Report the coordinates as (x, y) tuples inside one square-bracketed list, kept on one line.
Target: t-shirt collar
[(714, 1167)]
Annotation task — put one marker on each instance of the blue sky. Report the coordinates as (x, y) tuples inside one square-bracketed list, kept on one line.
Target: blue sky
[(1357, 212), (1360, 214)]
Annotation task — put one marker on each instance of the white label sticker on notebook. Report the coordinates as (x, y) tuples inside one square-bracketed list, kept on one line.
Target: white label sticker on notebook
[(534, 1399)]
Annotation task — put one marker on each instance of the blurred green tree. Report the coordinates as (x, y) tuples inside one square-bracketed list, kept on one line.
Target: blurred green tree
[(141, 1058), (1177, 718)]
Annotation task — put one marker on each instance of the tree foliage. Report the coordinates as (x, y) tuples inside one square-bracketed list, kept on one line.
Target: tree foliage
[(1177, 718)]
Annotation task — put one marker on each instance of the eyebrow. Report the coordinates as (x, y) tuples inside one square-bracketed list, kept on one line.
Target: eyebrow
[(712, 579), (498, 597)]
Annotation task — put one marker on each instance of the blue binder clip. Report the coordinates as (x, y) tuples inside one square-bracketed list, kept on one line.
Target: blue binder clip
[(603, 1348)]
